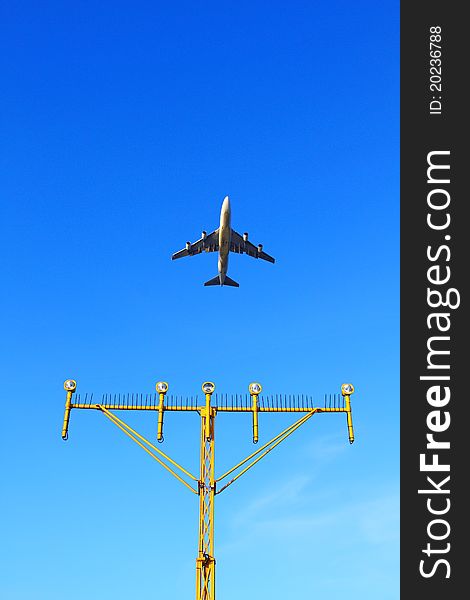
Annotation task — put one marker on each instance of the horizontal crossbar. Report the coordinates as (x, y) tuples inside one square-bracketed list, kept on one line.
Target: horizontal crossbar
[(198, 408), (221, 403)]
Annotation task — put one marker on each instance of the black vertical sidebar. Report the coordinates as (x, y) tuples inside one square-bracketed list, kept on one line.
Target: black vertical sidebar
[(435, 419)]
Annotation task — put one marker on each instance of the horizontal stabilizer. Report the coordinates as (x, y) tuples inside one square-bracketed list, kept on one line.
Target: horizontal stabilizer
[(228, 281), (215, 281)]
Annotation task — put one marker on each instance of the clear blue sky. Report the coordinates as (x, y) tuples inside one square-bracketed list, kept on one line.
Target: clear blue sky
[(124, 125)]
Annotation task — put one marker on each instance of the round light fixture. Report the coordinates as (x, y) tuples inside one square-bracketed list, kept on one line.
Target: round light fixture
[(255, 388), (70, 385), (208, 387), (347, 389), (162, 387)]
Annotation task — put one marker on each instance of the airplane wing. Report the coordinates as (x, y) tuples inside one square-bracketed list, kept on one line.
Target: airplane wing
[(208, 243), (241, 246)]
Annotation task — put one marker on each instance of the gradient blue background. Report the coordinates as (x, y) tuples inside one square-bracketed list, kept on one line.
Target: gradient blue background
[(124, 124)]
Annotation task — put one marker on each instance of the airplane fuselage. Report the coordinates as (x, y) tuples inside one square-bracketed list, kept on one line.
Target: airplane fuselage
[(225, 234)]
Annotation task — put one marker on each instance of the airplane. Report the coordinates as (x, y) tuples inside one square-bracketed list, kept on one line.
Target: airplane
[(223, 240)]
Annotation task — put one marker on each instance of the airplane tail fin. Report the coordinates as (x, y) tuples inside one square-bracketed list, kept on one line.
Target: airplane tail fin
[(215, 281), (227, 281)]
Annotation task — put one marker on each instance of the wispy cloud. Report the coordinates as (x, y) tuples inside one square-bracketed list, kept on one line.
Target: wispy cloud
[(326, 447), (295, 509), (290, 493)]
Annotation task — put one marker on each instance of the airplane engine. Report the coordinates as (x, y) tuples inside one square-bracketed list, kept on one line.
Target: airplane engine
[(260, 248), (188, 245), (204, 235), (245, 237)]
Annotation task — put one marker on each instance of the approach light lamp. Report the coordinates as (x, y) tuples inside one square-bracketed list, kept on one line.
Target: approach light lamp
[(255, 388), (70, 385), (161, 387), (208, 387), (347, 389)]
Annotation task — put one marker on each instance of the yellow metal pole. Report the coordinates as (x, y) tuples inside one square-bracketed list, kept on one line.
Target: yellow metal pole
[(255, 390), (162, 388), (207, 420), (254, 408), (68, 407), (70, 385), (347, 389), (349, 418), (160, 417), (205, 561)]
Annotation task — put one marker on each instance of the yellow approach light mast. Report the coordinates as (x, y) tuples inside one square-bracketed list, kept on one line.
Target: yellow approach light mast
[(207, 485)]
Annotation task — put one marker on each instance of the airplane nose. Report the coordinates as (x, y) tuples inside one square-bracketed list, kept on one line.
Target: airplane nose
[(226, 203)]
